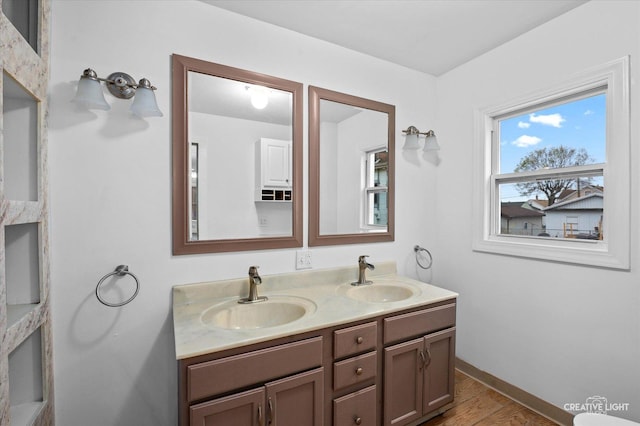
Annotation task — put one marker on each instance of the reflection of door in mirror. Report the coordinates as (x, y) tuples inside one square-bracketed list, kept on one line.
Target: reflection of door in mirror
[(351, 167), (237, 137)]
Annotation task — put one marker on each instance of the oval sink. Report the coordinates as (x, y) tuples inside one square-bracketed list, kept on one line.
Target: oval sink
[(278, 310), (379, 293)]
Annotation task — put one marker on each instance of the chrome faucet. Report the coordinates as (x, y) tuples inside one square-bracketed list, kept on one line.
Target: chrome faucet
[(363, 265), (254, 281)]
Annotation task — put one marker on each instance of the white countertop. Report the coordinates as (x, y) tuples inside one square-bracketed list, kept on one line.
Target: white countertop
[(322, 287)]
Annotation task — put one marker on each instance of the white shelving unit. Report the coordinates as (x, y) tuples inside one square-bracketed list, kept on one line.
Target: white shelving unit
[(26, 381)]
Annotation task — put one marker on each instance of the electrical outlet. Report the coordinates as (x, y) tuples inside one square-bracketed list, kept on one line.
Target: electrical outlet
[(303, 259)]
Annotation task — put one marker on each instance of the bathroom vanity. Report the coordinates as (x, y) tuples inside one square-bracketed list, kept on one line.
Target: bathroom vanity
[(379, 354)]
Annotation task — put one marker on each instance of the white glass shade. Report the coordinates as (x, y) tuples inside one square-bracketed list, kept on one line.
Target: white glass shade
[(144, 103), (259, 97), (431, 143), (411, 142), (90, 95)]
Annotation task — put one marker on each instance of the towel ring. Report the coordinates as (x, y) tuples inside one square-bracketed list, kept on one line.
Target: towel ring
[(121, 271), (419, 249)]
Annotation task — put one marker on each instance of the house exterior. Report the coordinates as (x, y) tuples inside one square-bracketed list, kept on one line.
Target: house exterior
[(518, 218), (576, 217)]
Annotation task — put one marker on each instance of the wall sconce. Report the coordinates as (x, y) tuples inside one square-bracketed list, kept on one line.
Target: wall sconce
[(120, 85), (411, 139)]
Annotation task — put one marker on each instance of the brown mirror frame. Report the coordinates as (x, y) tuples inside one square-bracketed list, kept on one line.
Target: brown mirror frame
[(181, 65), (317, 94)]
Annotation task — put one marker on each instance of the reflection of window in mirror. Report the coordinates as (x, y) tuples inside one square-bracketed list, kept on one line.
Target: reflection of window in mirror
[(376, 174), (351, 169)]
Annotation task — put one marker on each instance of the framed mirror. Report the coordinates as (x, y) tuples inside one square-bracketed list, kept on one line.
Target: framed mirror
[(351, 169), (237, 159)]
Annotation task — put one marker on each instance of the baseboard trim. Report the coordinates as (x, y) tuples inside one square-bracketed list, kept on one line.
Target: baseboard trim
[(522, 397)]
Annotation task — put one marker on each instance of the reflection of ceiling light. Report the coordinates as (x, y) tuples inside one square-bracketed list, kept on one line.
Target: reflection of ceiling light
[(259, 96)]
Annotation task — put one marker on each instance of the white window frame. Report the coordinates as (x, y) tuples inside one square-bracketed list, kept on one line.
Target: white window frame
[(613, 251)]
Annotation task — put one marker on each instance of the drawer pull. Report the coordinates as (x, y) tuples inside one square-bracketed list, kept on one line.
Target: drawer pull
[(357, 420), (270, 412), (359, 339), (359, 371), (260, 418)]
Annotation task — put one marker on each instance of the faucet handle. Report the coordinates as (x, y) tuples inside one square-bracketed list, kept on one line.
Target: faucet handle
[(253, 270), (361, 259)]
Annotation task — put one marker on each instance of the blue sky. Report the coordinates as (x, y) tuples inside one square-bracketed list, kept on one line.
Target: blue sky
[(576, 124)]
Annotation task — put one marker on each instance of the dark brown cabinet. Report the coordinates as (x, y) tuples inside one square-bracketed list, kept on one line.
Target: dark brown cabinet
[(419, 377), (394, 369), (295, 400), (242, 409), (357, 408)]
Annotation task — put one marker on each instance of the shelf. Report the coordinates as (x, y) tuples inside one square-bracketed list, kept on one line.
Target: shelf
[(22, 271), (25, 329), (25, 414), (20, 137), (15, 313), (25, 378), (23, 14)]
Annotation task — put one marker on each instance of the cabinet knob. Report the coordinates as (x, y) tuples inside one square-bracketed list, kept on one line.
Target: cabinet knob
[(357, 420), (359, 339), (359, 371)]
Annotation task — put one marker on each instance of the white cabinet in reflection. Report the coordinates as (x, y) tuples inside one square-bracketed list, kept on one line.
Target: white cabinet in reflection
[(273, 170)]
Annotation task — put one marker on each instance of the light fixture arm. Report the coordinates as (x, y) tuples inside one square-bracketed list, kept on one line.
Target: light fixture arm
[(412, 130)]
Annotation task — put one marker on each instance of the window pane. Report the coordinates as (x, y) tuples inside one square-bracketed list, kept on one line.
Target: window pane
[(568, 134), (378, 215), (381, 167), (556, 208)]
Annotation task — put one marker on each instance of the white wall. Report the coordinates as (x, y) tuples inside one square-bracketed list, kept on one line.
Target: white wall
[(561, 332), (227, 207), (110, 183)]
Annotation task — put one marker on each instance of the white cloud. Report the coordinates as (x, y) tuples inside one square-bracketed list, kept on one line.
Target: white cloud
[(523, 124), (554, 120), (588, 112), (526, 141)]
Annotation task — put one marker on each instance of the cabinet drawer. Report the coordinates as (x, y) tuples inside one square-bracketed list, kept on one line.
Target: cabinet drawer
[(356, 339), (222, 375), (354, 370), (418, 323), (358, 408)]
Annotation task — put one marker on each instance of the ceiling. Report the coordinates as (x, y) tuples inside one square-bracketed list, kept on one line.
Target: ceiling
[(432, 36)]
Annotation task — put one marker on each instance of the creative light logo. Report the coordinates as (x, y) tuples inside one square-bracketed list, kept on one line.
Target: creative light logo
[(597, 405)]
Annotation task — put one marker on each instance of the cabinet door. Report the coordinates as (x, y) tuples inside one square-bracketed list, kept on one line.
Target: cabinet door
[(296, 400), (242, 409), (276, 163), (439, 371), (403, 382)]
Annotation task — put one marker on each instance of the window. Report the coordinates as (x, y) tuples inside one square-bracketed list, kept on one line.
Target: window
[(376, 168), (552, 166)]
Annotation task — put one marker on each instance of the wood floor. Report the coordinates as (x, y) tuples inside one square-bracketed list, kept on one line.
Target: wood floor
[(477, 405)]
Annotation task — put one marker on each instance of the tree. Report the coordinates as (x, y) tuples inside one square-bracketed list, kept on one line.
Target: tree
[(550, 158)]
